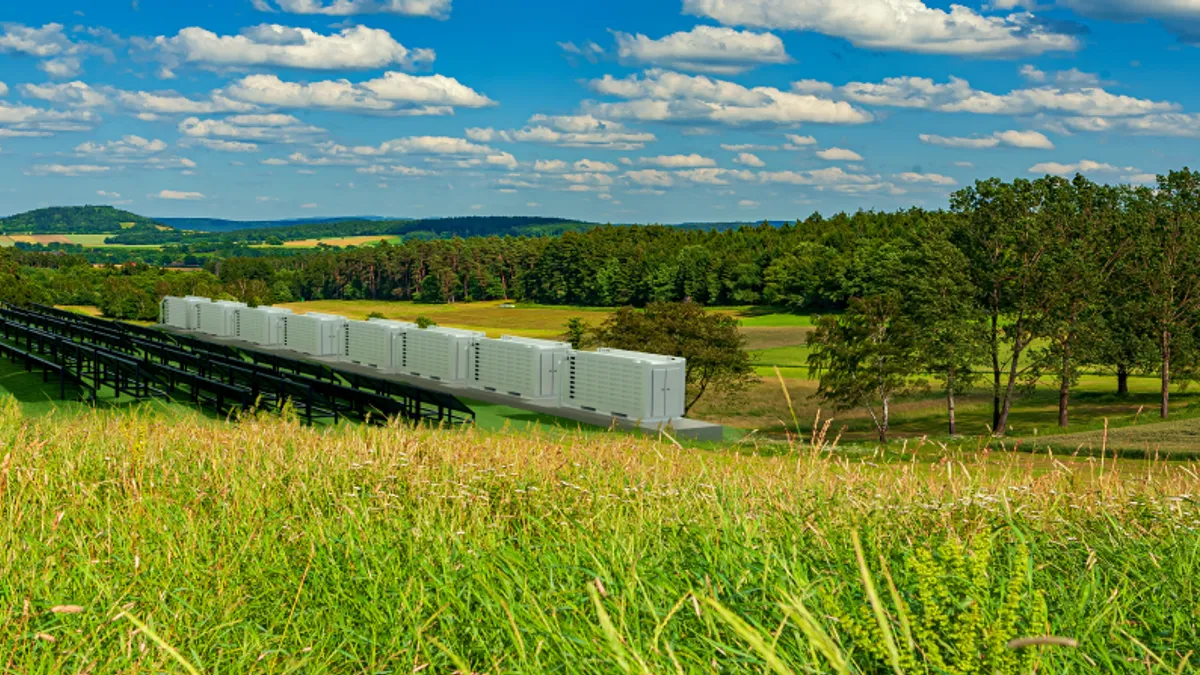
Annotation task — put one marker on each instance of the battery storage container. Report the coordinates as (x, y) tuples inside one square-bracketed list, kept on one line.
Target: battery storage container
[(219, 318), (180, 312), (370, 343), (630, 385), (315, 334), (517, 366), (262, 326), (435, 353)]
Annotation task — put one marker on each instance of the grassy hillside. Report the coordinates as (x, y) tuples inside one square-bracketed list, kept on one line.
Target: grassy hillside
[(144, 543), (77, 220)]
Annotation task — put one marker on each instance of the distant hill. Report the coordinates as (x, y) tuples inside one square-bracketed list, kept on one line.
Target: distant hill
[(77, 220), (431, 228), (223, 225)]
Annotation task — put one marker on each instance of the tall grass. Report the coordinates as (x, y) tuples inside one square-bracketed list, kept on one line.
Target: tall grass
[(134, 544)]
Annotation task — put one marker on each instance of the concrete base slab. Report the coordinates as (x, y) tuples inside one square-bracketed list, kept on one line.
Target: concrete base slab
[(680, 427)]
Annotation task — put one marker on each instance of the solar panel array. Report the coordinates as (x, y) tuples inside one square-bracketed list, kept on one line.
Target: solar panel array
[(91, 356)]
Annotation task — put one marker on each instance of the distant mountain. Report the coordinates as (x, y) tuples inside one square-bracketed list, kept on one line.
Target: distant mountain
[(77, 220), (223, 225)]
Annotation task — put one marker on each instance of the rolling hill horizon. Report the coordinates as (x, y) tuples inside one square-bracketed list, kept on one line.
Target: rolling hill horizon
[(108, 219)]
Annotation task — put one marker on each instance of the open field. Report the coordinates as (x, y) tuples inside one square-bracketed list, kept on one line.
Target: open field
[(136, 542), (101, 241), (489, 317), (339, 242)]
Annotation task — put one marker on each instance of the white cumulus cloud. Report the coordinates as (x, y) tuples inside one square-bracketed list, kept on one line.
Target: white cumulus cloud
[(393, 93), (749, 159), (31, 121), (679, 161), (1012, 138), (934, 178), (650, 178), (355, 47), (900, 25), (263, 128), (1082, 166), (227, 146), (437, 9), (177, 195), (661, 95), (580, 131), (839, 155), (706, 49), (957, 95), (127, 145), (595, 166), (68, 169), (76, 94), (61, 57)]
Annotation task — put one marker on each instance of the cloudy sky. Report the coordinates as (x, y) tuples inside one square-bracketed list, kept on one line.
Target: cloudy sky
[(621, 110)]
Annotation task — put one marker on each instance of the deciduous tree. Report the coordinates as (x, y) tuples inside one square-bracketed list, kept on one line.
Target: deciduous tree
[(712, 344)]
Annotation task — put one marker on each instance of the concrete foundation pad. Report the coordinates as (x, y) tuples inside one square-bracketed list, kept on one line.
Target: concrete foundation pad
[(680, 427)]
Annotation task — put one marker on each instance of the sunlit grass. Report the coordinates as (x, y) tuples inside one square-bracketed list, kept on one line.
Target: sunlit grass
[(134, 543)]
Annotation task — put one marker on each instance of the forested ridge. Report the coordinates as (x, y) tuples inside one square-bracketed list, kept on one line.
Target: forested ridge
[(1015, 283), (76, 220), (429, 228)]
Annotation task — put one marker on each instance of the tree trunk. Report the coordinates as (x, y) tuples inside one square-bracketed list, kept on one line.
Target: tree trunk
[(1064, 388), (883, 427), (1006, 408), (1164, 412), (950, 402), (1122, 380), (995, 373)]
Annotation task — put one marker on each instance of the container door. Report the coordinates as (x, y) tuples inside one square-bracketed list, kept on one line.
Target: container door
[(547, 371), (658, 393)]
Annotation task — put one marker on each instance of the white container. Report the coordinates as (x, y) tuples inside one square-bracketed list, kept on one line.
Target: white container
[(369, 343), (631, 385), (434, 353), (314, 334), (261, 325), (181, 312), (517, 366), (219, 317)]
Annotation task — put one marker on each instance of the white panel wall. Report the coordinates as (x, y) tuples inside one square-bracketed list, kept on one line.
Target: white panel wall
[(370, 342), (648, 387), (517, 366), (219, 318), (436, 353), (314, 334), (261, 325), (181, 312)]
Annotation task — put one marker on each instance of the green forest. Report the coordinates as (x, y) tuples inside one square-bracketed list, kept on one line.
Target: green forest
[(77, 220), (1016, 282)]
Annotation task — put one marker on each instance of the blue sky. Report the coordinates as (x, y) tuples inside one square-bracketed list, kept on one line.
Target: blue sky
[(621, 110)]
